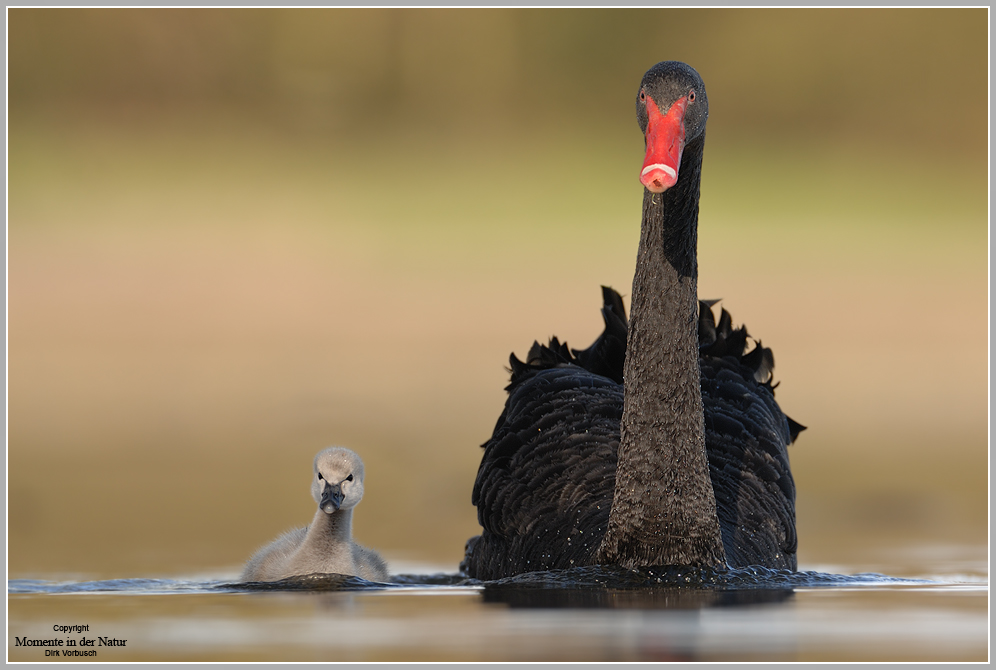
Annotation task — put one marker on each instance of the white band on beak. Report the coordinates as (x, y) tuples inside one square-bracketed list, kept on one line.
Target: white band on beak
[(668, 170)]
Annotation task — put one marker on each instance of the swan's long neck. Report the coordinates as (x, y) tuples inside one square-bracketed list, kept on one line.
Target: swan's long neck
[(664, 509)]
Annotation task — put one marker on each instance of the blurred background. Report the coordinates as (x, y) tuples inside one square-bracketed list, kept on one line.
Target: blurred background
[(236, 237)]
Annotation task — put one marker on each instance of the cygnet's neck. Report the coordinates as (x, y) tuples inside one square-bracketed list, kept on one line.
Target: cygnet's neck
[(330, 529)]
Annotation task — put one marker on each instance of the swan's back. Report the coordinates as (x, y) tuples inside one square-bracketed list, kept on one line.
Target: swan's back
[(545, 485)]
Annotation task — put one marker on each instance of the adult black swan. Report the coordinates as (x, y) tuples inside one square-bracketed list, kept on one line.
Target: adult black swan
[(662, 443)]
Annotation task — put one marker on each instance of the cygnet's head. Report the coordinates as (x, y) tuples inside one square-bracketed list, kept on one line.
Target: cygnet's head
[(338, 481)]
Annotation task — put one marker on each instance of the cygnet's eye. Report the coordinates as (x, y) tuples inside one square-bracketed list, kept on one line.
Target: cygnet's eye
[(349, 478), (320, 476)]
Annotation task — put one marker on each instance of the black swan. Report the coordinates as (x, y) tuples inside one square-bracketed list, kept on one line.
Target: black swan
[(662, 443), (326, 546)]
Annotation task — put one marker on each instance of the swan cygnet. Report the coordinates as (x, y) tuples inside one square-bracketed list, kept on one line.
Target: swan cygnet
[(326, 545)]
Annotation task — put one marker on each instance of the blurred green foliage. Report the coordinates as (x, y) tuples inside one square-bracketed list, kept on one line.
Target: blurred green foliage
[(908, 76)]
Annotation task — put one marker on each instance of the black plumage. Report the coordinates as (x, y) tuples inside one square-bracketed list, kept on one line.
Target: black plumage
[(545, 485)]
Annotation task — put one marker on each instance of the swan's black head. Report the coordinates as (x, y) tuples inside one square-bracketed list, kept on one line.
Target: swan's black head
[(672, 109)]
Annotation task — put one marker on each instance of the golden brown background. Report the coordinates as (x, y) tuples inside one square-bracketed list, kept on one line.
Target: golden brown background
[(239, 236)]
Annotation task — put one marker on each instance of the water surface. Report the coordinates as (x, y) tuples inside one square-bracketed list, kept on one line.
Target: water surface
[(593, 614)]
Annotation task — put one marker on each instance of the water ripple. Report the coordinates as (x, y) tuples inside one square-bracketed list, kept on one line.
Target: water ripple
[(755, 577), (591, 578)]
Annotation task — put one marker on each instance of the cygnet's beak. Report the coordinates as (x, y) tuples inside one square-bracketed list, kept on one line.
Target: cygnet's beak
[(332, 496)]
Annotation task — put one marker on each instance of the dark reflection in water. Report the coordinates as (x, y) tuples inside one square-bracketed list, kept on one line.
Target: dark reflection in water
[(613, 587), (670, 598), (732, 579)]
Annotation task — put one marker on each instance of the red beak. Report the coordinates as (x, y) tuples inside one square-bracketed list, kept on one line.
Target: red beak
[(665, 140)]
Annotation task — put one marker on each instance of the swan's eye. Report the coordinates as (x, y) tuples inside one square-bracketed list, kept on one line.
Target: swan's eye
[(320, 476), (349, 478), (643, 95), (691, 95)]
